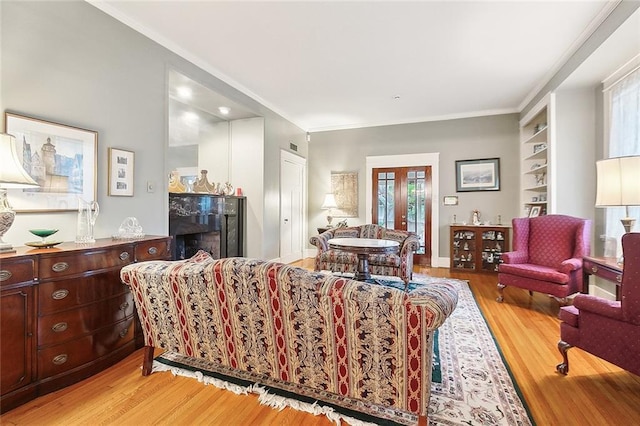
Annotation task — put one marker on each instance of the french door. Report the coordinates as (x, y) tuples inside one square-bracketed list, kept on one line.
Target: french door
[(402, 200)]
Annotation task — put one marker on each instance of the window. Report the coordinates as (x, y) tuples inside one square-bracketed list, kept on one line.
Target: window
[(623, 97)]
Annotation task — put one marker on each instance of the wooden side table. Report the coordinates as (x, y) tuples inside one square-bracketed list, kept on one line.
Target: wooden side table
[(606, 268)]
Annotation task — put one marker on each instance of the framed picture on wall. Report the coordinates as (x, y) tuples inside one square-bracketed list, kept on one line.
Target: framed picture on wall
[(478, 175), (62, 159), (121, 164), (535, 211)]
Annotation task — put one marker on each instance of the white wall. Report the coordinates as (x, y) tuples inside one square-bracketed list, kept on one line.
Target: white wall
[(462, 139), (214, 154), (247, 172)]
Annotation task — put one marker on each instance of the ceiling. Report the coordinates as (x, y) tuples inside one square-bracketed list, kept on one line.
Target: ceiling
[(332, 65)]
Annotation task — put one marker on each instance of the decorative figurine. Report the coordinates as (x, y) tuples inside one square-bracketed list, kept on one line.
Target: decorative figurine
[(476, 217), (202, 185), (174, 182)]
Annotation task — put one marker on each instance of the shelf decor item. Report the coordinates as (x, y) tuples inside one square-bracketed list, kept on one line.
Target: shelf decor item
[(121, 164), (43, 234), (61, 159), (478, 175)]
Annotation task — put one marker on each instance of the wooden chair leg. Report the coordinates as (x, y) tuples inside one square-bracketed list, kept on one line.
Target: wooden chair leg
[(422, 421), (563, 347), (147, 360), (500, 297)]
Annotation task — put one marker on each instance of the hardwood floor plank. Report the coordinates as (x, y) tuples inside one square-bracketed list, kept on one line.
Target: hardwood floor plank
[(526, 328)]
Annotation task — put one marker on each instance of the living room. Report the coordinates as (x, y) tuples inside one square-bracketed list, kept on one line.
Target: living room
[(71, 63)]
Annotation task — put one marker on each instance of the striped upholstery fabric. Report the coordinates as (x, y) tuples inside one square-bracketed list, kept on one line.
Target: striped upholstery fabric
[(398, 265), (608, 329), (360, 345)]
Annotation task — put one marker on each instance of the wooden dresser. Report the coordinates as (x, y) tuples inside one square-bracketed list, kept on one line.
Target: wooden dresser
[(65, 315)]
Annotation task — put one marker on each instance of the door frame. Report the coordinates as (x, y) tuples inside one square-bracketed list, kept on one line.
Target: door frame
[(293, 158), (408, 160)]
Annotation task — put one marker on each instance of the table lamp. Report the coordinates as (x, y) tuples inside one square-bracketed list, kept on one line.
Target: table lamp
[(12, 175), (329, 204), (618, 184)]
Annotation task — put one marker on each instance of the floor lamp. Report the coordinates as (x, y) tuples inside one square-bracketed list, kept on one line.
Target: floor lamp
[(12, 175), (618, 185)]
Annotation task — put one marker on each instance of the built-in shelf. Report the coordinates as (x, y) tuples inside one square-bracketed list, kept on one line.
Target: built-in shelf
[(536, 165)]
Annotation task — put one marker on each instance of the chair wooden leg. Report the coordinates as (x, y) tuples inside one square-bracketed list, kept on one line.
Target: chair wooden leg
[(563, 347), (147, 360), (422, 421), (500, 297)]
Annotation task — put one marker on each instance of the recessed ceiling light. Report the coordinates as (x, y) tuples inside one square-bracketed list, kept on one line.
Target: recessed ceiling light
[(184, 92), (224, 110)]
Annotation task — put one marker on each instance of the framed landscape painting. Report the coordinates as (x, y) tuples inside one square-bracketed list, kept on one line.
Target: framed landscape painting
[(61, 159), (478, 175)]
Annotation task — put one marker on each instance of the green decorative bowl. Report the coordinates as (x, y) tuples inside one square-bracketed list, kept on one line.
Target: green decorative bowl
[(43, 233)]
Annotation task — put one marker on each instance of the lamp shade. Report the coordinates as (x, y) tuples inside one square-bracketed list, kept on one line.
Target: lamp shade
[(329, 202), (618, 182), (12, 174)]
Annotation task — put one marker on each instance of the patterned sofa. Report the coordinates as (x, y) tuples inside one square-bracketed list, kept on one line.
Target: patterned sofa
[(398, 265), (355, 346)]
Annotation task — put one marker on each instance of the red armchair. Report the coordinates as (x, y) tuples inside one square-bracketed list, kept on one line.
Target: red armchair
[(547, 256), (609, 330)]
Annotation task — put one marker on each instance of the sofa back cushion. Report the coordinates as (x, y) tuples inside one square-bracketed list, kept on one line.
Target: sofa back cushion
[(346, 232), (553, 239)]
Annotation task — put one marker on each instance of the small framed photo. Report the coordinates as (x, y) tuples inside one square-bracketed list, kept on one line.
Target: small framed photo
[(121, 164), (450, 200), (535, 211), (478, 175)]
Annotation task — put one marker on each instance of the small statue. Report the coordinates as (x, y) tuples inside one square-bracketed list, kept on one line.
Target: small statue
[(476, 217), (202, 185), (174, 182)]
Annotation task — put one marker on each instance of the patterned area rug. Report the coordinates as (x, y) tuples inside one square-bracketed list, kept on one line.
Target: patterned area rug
[(471, 384)]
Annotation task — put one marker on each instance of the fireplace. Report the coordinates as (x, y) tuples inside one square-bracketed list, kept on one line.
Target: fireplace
[(213, 223)]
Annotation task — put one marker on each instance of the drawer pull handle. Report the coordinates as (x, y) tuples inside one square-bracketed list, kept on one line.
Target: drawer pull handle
[(124, 332), (60, 267), (152, 251), (60, 294), (5, 275), (619, 278), (594, 269), (124, 255), (60, 327), (60, 359), (124, 306)]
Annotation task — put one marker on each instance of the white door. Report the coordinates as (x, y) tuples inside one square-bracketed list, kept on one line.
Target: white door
[(292, 206)]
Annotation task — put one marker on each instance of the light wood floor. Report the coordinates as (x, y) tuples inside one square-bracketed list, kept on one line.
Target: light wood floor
[(526, 328)]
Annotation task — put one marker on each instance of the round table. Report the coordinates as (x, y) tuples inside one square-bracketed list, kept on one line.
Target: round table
[(363, 247)]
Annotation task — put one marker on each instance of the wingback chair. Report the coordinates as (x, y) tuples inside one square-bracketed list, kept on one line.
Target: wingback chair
[(606, 329), (547, 256)]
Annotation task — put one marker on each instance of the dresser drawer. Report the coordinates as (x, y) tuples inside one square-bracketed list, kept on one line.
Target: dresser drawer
[(152, 250), (67, 325), (66, 356), (69, 264), (56, 296), (16, 271), (602, 271)]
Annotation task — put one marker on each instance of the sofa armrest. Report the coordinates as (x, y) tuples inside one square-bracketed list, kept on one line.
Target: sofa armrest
[(321, 241), (599, 306), (439, 299), (410, 245), (570, 265), (514, 257)]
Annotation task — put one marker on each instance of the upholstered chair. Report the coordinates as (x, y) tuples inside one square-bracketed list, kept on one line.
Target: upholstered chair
[(547, 256), (606, 329)]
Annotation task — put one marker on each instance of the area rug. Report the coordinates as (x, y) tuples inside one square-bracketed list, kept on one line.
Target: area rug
[(471, 384)]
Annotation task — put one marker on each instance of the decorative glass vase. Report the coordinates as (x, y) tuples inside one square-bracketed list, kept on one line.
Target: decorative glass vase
[(87, 214)]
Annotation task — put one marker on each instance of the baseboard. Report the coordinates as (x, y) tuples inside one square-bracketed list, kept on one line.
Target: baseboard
[(443, 262)]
